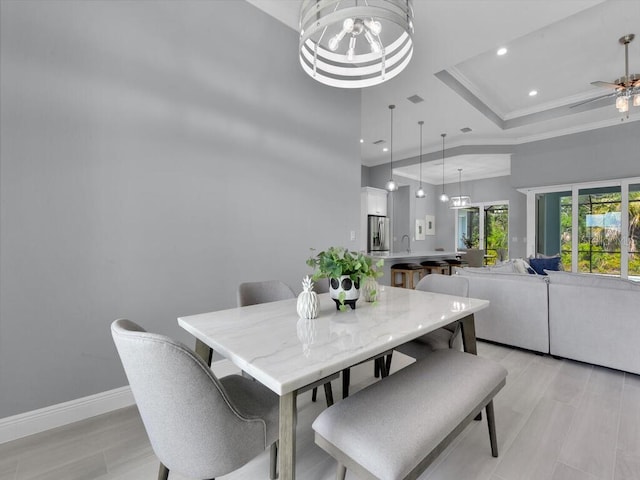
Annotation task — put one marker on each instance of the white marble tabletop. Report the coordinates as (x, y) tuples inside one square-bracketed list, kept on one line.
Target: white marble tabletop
[(285, 353)]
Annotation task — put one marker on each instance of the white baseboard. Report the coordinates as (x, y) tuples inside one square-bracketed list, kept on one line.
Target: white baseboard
[(36, 421)]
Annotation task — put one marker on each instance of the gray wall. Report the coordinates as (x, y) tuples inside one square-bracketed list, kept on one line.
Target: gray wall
[(152, 158), (603, 154)]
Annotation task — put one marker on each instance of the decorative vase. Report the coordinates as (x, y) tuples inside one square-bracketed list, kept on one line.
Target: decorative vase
[(307, 305), (369, 289), (344, 291)]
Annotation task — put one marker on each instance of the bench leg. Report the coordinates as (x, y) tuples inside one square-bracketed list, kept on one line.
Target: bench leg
[(341, 472), (491, 422)]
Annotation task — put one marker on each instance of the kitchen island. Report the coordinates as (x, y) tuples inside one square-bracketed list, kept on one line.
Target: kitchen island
[(391, 258)]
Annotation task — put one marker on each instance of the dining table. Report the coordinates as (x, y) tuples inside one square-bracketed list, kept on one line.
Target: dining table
[(289, 354)]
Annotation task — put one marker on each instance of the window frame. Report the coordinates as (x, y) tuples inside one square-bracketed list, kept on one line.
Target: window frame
[(574, 188)]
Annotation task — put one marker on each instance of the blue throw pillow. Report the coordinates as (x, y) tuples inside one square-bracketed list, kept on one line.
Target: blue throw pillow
[(542, 264)]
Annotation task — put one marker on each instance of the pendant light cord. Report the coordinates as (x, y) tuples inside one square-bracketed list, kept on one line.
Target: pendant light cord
[(391, 107), (443, 135), (421, 123)]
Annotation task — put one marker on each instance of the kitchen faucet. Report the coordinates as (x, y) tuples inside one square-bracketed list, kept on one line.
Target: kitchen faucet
[(408, 242)]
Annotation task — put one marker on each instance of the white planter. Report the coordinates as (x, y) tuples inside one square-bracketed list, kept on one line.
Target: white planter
[(344, 284)]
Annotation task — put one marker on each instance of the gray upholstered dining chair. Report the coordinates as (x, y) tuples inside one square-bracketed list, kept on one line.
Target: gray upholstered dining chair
[(445, 337), (199, 425), (252, 293), (474, 257)]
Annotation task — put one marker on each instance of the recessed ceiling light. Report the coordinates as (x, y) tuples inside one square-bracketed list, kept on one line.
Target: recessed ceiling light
[(533, 93), (385, 149), (501, 51), (362, 140)]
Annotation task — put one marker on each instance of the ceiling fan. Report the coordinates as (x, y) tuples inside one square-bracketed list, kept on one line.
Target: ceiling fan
[(625, 87)]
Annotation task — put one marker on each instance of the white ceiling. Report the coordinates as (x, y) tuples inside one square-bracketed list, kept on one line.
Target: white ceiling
[(556, 47)]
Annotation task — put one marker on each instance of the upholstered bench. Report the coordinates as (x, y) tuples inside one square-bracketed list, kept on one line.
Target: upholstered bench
[(426, 405)]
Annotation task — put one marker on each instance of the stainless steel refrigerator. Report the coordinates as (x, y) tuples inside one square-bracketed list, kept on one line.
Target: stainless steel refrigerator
[(378, 234)]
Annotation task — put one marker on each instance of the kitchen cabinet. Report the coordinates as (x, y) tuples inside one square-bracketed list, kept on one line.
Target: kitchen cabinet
[(376, 201)]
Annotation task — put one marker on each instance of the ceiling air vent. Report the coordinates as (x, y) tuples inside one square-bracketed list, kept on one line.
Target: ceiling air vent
[(415, 99), (465, 130)]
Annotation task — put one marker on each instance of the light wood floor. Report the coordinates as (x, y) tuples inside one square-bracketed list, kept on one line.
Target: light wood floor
[(556, 420)]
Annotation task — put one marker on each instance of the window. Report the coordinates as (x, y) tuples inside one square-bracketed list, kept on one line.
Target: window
[(634, 232), (595, 227), (485, 226), (599, 230)]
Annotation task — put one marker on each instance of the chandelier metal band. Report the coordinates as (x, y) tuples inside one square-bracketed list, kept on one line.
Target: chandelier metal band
[(372, 40)]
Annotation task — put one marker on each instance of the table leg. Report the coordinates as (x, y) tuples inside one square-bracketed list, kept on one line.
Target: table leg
[(204, 351), (468, 326), (287, 447)]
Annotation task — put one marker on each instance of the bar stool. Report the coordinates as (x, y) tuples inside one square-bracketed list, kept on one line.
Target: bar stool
[(455, 262), (434, 266), (406, 270)]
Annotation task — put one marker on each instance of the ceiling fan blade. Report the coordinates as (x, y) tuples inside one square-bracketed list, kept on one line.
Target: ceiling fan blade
[(606, 84), (593, 99)]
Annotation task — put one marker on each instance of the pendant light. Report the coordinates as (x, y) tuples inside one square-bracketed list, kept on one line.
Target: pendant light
[(461, 201), (355, 43), (444, 198), (420, 192), (392, 186)]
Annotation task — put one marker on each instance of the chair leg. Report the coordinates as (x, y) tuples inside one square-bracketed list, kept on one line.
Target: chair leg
[(273, 461), (491, 421), (163, 472), (383, 367), (328, 393), (314, 394), (341, 472), (389, 357), (346, 380)]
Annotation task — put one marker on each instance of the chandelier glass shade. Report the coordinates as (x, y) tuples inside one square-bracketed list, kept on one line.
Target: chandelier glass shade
[(391, 186), (355, 43), (420, 192), (444, 198), (461, 201)]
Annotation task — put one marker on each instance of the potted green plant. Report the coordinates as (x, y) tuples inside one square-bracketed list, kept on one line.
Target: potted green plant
[(347, 271), (469, 242)]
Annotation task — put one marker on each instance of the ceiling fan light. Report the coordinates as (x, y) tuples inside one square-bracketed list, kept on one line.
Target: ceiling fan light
[(622, 104)]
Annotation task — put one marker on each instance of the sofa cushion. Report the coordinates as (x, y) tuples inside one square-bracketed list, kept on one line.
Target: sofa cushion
[(542, 264), (592, 280)]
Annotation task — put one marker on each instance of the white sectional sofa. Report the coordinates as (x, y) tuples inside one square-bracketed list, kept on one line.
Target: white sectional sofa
[(517, 314), (595, 319), (584, 317)]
